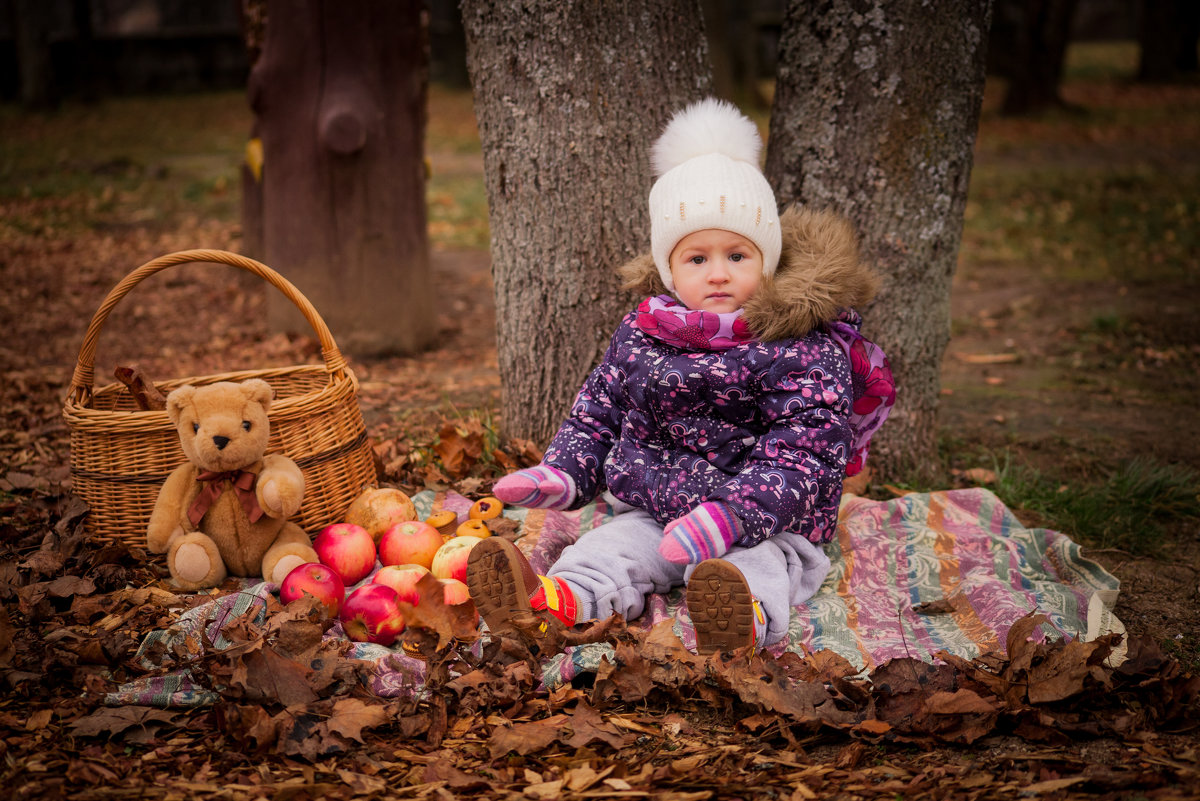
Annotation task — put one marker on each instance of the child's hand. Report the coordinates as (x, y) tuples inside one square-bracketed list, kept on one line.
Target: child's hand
[(706, 532), (541, 487)]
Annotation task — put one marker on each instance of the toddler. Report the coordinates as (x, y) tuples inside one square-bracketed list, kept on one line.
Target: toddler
[(724, 416)]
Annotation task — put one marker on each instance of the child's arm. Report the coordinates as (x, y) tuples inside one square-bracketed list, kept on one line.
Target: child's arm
[(572, 469)]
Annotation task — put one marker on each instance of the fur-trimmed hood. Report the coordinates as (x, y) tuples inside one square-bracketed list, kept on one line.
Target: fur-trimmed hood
[(819, 274)]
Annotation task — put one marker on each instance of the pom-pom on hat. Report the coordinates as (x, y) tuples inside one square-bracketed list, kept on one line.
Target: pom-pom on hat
[(707, 166)]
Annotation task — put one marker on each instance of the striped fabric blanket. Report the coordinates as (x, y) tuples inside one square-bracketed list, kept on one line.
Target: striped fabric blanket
[(927, 572)]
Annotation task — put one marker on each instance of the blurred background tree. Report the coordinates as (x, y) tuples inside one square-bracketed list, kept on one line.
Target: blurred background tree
[(1029, 42), (1167, 34)]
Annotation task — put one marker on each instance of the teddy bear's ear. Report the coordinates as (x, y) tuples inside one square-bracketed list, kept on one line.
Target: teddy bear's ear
[(177, 400), (258, 391)]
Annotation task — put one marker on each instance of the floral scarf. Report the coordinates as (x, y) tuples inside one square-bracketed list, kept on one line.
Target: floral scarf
[(668, 320)]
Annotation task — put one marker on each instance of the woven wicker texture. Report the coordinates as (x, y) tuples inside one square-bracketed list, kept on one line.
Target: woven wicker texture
[(120, 456)]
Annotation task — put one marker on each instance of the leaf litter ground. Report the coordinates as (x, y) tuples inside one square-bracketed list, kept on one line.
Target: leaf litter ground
[(293, 719)]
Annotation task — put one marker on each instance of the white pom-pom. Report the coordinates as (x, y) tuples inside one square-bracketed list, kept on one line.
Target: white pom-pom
[(709, 126)]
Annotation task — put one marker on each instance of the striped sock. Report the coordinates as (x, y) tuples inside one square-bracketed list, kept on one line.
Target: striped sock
[(541, 487), (706, 532)]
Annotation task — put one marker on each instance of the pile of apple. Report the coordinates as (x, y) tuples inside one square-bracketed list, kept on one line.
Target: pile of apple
[(381, 526)]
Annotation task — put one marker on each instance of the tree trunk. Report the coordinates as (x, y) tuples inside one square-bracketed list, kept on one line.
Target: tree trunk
[(340, 96), (32, 21), (254, 31), (723, 49), (875, 116), (1167, 31), (1041, 30), (569, 96), (1187, 60)]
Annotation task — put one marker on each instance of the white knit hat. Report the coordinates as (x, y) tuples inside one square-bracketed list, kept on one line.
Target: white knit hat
[(707, 163)]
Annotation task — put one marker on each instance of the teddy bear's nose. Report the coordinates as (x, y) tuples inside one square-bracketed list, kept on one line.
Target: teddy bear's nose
[(221, 442)]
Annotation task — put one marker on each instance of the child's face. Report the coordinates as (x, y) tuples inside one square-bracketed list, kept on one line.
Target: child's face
[(715, 270)]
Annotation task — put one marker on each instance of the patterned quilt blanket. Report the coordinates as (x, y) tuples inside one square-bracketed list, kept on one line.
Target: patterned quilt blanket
[(912, 576)]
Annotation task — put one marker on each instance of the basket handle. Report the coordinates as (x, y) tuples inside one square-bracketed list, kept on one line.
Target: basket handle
[(83, 379)]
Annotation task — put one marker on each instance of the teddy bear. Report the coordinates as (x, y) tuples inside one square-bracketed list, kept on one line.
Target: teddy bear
[(225, 510)]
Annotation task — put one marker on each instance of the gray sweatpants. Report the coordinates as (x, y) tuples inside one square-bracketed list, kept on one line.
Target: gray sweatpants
[(614, 566)]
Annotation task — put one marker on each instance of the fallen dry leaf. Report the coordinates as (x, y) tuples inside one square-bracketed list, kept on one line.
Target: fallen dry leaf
[(116, 720), (351, 716)]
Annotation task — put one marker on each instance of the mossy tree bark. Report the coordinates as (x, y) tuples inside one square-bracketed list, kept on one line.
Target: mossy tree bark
[(875, 115), (569, 95)]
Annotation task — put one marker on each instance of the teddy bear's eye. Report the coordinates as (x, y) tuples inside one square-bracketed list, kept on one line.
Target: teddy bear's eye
[(195, 428), (246, 425)]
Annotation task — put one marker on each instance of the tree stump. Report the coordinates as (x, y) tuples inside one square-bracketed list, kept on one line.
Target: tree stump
[(339, 94)]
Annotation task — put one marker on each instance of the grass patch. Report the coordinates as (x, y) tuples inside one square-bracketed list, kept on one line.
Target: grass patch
[(451, 126), (1101, 61), (458, 212), (460, 445), (1132, 508), (140, 159), (161, 160), (1135, 506), (1106, 191), (1133, 224)]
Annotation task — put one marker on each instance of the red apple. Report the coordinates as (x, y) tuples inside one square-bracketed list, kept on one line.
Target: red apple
[(450, 561), (379, 509), (315, 579), (412, 542), (348, 549), (454, 592), (371, 614), (403, 579)]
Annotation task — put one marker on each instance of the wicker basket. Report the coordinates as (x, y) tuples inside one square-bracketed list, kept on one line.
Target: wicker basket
[(121, 456)]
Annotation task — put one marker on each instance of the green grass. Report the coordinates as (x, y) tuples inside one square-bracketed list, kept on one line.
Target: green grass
[(1101, 61), (1134, 507), (164, 159), (1106, 191), (145, 161), (473, 432), (458, 212), (1087, 224)]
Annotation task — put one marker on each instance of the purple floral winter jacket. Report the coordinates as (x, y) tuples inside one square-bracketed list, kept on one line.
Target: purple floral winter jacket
[(766, 426)]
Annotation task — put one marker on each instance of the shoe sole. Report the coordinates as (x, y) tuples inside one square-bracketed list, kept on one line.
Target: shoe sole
[(721, 606), (496, 583)]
